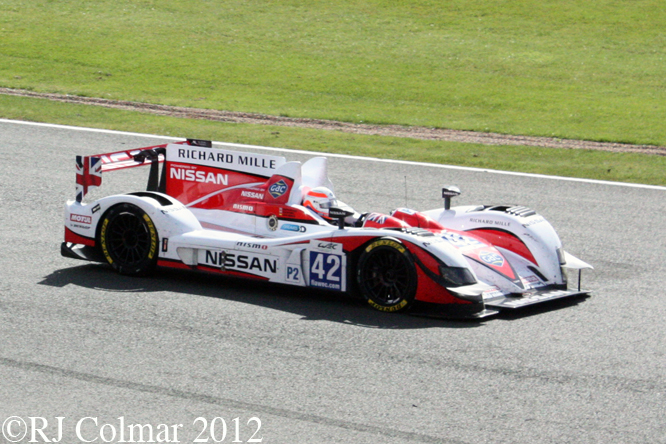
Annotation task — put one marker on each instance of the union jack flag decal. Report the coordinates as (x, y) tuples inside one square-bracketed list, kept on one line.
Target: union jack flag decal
[(88, 174)]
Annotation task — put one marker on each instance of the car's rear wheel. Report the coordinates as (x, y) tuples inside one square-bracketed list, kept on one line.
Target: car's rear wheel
[(128, 240), (386, 275)]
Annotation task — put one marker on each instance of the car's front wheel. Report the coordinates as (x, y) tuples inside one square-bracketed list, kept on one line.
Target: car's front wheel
[(386, 275), (128, 240)]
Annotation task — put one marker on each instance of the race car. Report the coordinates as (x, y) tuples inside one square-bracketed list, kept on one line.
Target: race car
[(261, 217)]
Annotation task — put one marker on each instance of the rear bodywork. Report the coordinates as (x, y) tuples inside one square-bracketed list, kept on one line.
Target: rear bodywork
[(240, 214)]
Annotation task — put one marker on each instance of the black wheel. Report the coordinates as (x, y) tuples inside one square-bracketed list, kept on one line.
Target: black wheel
[(128, 240), (386, 275)]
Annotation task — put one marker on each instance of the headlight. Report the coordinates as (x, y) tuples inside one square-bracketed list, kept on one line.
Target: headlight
[(456, 276)]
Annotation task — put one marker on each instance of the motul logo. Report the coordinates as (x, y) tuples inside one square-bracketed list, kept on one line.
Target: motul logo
[(80, 218)]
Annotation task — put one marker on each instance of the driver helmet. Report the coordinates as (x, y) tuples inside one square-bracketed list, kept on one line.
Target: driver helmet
[(319, 200)]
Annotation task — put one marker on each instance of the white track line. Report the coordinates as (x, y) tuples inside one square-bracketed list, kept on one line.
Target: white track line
[(345, 156)]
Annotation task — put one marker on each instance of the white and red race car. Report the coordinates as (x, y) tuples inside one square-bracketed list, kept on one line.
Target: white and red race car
[(258, 216)]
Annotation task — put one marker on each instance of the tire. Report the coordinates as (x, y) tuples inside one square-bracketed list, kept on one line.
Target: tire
[(386, 275), (128, 240)]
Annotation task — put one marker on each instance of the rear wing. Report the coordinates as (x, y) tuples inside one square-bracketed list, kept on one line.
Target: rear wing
[(89, 169), (194, 172)]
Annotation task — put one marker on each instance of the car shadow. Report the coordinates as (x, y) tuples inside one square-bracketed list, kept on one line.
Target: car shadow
[(311, 304)]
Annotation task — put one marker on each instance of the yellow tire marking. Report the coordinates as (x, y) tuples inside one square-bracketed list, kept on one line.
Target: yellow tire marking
[(153, 236), (102, 240), (385, 242)]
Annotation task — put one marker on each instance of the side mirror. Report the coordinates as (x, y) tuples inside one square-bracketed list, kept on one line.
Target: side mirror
[(340, 215), (449, 192)]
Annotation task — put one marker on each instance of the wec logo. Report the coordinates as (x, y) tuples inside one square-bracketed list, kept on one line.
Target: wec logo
[(80, 218)]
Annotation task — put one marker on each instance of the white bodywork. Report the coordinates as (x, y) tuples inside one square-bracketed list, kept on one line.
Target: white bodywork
[(238, 239)]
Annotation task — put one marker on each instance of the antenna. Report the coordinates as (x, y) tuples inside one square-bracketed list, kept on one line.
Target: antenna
[(406, 192)]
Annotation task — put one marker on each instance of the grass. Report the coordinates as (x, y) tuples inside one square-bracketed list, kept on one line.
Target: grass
[(563, 68), (634, 168)]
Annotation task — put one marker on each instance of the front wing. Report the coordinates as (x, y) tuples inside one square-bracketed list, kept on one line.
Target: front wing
[(538, 296)]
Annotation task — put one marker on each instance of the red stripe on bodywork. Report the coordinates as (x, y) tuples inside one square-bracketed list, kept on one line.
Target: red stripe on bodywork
[(170, 263), (74, 238), (428, 290), (506, 240)]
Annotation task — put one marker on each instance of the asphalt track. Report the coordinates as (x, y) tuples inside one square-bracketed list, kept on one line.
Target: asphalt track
[(104, 352)]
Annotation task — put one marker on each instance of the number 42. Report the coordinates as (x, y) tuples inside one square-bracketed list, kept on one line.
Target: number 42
[(331, 262)]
